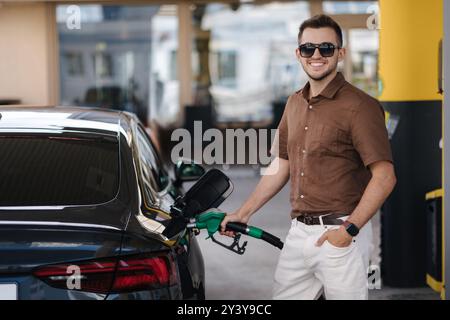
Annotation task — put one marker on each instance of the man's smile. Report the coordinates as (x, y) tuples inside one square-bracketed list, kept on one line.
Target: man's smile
[(316, 64)]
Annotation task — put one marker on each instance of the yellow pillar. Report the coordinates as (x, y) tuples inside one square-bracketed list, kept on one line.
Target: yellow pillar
[(409, 41), (410, 31)]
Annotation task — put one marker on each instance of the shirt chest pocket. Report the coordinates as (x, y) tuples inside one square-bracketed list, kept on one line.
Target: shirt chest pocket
[(329, 139)]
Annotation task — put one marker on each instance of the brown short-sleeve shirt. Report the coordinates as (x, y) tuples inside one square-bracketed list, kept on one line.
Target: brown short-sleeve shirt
[(329, 142)]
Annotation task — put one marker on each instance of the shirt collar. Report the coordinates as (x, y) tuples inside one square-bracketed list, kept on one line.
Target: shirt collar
[(330, 90)]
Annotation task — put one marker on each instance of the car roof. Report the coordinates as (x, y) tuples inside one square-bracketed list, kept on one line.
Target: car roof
[(42, 119)]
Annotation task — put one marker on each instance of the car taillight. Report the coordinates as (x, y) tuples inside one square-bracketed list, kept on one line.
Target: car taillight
[(114, 275), (90, 276), (144, 273)]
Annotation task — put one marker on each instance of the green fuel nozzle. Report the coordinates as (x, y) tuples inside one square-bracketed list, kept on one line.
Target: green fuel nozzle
[(211, 220)]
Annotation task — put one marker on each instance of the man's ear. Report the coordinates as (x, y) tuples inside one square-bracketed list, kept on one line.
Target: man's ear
[(341, 54), (297, 53)]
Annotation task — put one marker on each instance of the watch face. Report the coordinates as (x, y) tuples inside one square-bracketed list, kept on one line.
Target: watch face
[(352, 229)]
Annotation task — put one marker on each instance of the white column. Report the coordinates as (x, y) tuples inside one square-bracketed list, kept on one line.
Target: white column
[(184, 64)]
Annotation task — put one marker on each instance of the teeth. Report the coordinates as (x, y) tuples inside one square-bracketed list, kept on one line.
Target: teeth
[(317, 64)]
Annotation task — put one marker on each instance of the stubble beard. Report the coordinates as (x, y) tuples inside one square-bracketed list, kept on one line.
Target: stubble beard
[(322, 76)]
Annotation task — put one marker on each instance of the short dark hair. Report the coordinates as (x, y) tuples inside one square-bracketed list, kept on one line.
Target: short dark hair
[(321, 21)]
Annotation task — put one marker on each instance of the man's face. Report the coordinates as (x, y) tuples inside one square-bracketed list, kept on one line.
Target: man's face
[(318, 67)]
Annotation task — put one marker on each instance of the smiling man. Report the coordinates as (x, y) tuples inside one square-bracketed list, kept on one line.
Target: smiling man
[(333, 146)]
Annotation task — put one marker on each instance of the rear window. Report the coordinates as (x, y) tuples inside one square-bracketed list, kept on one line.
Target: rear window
[(58, 170)]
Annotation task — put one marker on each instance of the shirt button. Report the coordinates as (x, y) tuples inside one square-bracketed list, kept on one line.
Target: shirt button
[(302, 174), (310, 107), (302, 196), (303, 151), (306, 128)]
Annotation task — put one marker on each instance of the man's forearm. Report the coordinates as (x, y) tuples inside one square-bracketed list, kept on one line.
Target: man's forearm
[(380, 186), (268, 186)]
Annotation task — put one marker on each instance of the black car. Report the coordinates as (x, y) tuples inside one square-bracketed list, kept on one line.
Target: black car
[(84, 199)]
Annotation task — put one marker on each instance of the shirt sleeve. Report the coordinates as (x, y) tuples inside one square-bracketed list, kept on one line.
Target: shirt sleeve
[(279, 145), (369, 133)]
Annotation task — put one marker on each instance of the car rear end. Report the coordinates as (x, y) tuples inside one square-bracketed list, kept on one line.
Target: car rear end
[(71, 262), (64, 206)]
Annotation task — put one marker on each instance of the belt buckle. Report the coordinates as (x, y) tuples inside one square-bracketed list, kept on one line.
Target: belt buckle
[(308, 219)]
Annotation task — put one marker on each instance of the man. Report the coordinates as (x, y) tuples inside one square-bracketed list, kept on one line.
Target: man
[(333, 145)]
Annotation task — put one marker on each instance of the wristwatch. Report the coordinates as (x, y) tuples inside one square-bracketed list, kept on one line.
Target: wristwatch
[(351, 228)]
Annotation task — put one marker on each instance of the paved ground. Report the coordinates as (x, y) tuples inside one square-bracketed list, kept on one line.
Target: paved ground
[(249, 276)]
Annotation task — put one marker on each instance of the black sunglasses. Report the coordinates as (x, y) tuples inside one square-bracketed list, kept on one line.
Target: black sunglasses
[(326, 49)]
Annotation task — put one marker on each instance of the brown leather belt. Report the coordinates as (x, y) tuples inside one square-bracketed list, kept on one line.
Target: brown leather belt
[(328, 219)]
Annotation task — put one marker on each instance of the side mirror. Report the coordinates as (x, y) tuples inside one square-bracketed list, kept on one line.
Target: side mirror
[(187, 172)]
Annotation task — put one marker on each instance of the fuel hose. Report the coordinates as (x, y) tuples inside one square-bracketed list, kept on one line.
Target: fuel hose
[(255, 233)]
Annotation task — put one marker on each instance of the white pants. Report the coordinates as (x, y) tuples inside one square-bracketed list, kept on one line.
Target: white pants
[(305, 271)]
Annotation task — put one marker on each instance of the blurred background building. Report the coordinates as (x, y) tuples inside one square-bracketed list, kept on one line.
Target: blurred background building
[(241, 54), (126, 57)]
